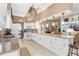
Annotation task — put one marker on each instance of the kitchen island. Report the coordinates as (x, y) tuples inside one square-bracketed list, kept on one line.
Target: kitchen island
[(53, 42)]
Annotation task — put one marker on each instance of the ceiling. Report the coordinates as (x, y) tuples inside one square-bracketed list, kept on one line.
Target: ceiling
[(21, 9)]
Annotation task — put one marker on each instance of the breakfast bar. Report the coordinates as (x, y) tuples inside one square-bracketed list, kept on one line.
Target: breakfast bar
[(53, 42)]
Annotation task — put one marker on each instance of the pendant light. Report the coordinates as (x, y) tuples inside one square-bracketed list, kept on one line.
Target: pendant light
[(32, 11)]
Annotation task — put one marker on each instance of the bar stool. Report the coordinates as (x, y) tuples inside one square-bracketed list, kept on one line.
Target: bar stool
[(71, 47), (75, 46)]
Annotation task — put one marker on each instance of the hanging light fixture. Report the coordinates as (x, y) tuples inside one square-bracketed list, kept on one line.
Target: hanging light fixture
[(32, 11)]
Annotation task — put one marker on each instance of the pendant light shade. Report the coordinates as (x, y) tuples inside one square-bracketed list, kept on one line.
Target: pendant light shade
[(32, 11)]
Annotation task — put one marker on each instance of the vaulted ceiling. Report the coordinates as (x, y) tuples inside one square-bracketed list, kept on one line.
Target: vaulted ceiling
[(26, 11), (21, 9), (31, 12)]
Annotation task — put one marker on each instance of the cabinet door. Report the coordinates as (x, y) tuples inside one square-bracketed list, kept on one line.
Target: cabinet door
[(28, 36), (36, 38), (46, 42), (43, 41), (60, 47), (33, 36), (49, 42)]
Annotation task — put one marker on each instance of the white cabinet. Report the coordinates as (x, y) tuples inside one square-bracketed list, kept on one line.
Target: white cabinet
[(28, 35), (54, 44), (60, 46), (47, 42)]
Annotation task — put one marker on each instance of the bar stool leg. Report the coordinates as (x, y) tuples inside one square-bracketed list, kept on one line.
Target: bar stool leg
[(69, 51), (77, 51)]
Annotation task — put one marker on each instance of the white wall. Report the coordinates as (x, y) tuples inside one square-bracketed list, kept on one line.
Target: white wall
[(3, 11), (8, 21), (5, 19)]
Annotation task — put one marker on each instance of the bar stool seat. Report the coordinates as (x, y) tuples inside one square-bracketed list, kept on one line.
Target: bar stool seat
[(74, 46), (71, 47)]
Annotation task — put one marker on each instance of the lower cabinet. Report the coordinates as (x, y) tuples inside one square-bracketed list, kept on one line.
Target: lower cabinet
[(54, 44), (28, 36), (60, 47)]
